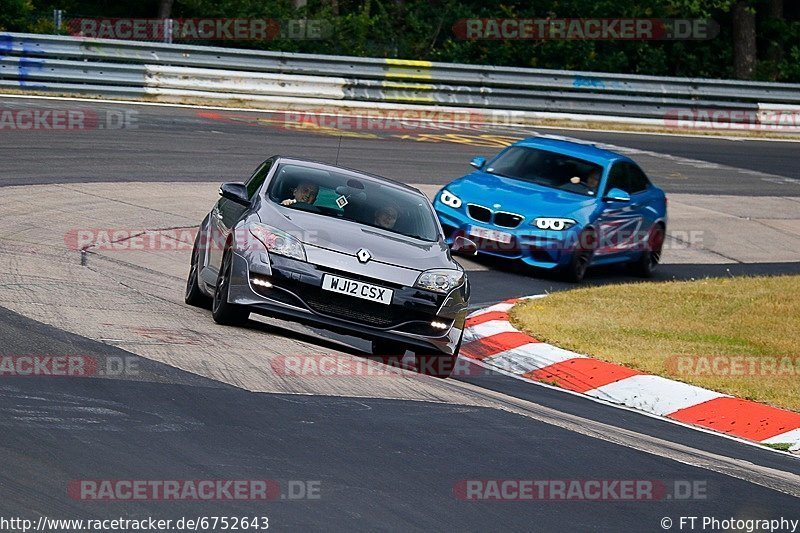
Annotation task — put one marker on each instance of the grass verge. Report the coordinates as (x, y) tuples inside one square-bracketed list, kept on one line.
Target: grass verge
[(739, 336)]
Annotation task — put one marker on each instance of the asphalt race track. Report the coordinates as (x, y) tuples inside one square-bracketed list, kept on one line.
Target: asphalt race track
[(386, 453), (380, 462), (179, 144), (168, 144)]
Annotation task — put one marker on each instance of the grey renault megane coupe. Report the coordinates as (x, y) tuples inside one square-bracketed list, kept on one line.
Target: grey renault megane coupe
[(337, 249)]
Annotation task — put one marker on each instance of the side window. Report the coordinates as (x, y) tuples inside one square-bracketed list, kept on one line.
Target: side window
[(637, 178), (618, 178), (258, 178)]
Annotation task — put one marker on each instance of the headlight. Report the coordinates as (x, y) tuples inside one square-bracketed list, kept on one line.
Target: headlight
[(449, 199), (554, 223), (440, 279), (278, 242)]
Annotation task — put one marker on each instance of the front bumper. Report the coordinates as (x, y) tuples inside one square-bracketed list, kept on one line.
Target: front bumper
[(538, 248), (296, 293)]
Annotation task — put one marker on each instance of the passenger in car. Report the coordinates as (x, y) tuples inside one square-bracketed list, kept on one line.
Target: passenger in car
[(305, 192)]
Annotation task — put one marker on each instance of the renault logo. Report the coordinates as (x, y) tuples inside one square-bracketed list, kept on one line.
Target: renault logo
[(364, 255)]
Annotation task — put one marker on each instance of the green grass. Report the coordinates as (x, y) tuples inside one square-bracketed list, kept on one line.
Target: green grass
[(678, 329), (781, 447)]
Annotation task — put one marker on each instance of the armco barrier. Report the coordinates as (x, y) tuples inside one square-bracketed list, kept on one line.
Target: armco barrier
[(174, 72)]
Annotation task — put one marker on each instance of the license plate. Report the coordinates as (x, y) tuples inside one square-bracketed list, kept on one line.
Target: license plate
[(358, 289), (490, 234)]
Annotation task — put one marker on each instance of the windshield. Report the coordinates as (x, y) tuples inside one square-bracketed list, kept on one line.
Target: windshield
[(358, 199), (547, 168)]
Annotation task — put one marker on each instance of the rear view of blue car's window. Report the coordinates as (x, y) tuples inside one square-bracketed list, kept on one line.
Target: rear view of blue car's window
[(548, 168)]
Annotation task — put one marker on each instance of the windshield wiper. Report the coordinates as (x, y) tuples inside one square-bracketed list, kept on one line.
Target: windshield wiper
[(538, 181), (420, 237), (493, 173)]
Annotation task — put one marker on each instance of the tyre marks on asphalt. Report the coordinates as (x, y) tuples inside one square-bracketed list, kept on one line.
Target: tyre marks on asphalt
[(133, 298), (180, 145), (135, 301)]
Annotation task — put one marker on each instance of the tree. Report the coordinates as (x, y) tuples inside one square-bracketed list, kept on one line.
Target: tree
[(775, 10), (744, 40), (165, 9), (774, 14), (14, 14), (744, 28)]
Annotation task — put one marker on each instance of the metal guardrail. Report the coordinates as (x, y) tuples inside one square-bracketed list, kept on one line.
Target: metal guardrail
[(113, 68)]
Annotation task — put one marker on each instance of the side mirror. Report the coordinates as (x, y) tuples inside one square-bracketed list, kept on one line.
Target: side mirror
[(236, 192), (478, 161), (464, 246), (617, 195)]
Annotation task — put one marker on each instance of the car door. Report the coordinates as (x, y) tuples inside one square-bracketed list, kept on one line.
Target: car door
[(643, 199), (226, 213), (619, 223)]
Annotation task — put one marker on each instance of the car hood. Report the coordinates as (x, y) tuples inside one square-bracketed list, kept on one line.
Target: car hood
[(349, 237), (518, 196)]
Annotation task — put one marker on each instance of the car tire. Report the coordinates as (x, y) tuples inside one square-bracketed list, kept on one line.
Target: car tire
[(193, 295), (226, 313), (646, 265), (581, 258)]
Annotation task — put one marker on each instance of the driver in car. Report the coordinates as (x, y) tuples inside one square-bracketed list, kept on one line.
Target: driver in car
[(593, 180), (386, 216), (305, 193)]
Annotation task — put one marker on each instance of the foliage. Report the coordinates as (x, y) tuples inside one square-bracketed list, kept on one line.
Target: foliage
[(423, 29), (14, 14)]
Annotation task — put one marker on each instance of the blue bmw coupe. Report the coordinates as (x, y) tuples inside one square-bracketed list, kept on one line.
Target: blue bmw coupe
[(559, 205)]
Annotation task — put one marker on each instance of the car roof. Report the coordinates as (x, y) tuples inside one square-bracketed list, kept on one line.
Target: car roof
[(581, 150), (359, 173)]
